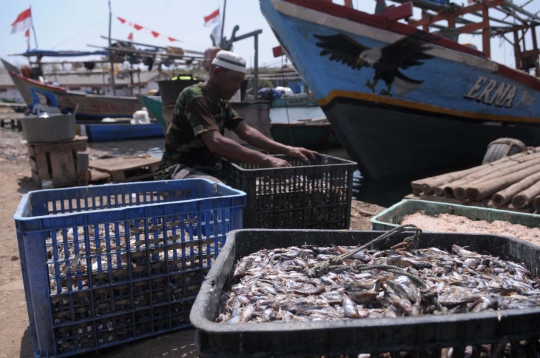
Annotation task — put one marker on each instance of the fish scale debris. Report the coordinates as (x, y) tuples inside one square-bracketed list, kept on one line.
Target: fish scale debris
[(280, 285)]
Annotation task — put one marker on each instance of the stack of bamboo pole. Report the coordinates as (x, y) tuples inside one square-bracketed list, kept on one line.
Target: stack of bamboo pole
[(514, 179)]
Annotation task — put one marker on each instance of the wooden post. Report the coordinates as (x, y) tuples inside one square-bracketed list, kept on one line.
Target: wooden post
[(535, 47), (348, 3), (452, 22), (82, 169), (517, 50), (425, 16), (486, 33)]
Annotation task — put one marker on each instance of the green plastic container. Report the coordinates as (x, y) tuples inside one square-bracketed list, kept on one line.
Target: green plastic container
[(392, 217)]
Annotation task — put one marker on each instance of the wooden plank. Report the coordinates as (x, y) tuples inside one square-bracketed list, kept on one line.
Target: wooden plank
[(120, 168), (63, 168), (78, 144), (118, 176), (122, 163), (96, 175), (82, 169), (42, 167)]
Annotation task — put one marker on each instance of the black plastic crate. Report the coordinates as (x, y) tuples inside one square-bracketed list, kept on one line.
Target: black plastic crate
[(329, 338), (313, 195)]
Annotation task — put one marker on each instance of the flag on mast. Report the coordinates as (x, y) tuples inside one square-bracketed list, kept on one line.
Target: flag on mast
[(27, 35), (23, 21), (130, 36), (211, 19)]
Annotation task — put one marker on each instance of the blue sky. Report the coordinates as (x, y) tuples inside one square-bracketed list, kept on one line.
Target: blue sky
[(73, 24)]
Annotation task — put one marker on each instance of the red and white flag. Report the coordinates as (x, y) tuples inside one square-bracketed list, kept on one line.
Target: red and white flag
[(213, 18), (27, 35), (23, 22), (130, 36)]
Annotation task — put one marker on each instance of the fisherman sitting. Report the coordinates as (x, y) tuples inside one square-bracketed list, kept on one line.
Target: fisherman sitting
[(195, 142)]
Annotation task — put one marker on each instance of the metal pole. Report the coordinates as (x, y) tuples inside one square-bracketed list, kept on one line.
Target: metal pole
[(131, 77), (139, 78), (256, 68), (110, 57), (35, 37), (223, 23)]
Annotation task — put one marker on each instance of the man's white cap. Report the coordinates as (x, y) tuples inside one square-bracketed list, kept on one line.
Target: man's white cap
[(230, 60)]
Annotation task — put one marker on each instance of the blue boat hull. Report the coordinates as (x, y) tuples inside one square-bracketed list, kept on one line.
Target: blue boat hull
[(439, 110), (404, 143), (124, 131)]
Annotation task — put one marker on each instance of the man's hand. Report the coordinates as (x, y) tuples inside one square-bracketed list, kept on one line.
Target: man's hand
[(304, 154), (273, 162)]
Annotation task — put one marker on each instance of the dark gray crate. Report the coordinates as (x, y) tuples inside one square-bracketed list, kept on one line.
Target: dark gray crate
[(412, 334), (313, 195)]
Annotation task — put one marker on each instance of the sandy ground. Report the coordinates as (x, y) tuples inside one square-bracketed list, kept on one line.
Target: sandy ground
[(15, 338)]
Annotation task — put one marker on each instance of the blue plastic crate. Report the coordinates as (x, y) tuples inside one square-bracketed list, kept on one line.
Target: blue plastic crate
[(105, 265)]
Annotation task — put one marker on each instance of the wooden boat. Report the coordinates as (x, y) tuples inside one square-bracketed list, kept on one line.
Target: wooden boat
[(104, 132), (90, 107), (402, 100), (312, 134)]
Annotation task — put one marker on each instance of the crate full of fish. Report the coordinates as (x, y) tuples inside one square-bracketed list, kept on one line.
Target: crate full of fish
[(104, 265), (313, 195), (344, 293)]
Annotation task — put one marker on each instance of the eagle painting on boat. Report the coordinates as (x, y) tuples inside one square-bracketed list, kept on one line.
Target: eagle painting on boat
[(387, 61)]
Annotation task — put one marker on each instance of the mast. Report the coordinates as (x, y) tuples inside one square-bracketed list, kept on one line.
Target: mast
[(110, 57), (223, 24)]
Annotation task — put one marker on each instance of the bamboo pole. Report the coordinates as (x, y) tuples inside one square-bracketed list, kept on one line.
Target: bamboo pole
[(428, 184), (458, 189), (506, 195), (526, 197), (448, 189), (485, 189), (536, 204), (436, 183)]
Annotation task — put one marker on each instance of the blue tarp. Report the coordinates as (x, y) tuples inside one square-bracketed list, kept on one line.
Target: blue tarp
[(49, 53)]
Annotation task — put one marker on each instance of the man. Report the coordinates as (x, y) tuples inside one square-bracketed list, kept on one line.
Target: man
[(194, 142)]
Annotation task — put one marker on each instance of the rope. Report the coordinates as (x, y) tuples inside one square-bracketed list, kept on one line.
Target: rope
[(335, 263)]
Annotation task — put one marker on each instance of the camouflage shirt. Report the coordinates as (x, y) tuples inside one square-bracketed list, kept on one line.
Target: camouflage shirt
[(195, 113)]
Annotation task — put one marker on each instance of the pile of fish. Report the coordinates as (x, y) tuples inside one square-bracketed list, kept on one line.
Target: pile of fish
[(104, 248), (282, 285)]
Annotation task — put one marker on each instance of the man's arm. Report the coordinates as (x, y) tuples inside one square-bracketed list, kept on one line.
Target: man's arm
[(235, 152), (259, 140)]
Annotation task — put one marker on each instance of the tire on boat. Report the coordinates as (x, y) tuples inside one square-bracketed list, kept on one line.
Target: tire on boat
[(503, 147)]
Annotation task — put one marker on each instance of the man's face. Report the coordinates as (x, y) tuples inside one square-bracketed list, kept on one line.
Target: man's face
[(229, 82)]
